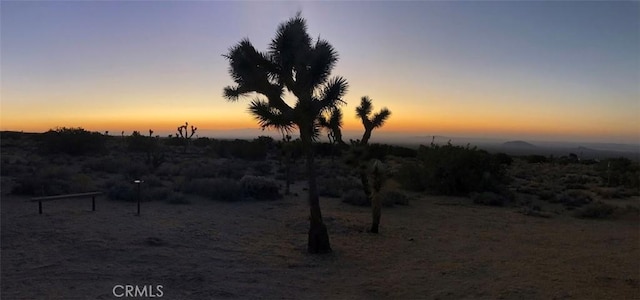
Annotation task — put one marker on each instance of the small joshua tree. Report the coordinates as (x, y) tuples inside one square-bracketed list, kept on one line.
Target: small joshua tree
[(185, 135), (333, 124), (359, 148), (363, 111)]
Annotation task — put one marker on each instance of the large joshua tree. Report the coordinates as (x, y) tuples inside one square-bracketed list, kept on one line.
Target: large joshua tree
[(301, 66)]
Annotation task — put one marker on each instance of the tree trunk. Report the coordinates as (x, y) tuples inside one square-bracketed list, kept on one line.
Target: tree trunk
[(377, 212), (364, 179), (318, 234), (366, 136), (287, 171), (376, 201)]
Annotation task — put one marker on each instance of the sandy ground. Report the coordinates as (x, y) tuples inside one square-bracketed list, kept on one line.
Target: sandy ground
[(436, 248)]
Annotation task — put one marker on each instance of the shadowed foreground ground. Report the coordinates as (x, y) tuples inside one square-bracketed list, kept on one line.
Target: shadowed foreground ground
[(430, 249)]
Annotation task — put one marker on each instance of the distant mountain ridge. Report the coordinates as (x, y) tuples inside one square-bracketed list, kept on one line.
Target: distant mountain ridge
[(519, 144)]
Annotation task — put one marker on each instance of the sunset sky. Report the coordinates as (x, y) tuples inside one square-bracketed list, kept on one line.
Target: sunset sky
[(566, 70)]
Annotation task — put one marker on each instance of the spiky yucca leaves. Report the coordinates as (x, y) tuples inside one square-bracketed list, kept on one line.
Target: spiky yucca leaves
[(333, 123), (364, 111), (295, 63)]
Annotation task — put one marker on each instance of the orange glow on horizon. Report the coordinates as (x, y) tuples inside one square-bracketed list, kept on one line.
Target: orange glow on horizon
[(401, 122)]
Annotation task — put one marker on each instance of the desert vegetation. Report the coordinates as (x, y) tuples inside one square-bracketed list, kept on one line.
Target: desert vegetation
[(231, 197), (434, 186)]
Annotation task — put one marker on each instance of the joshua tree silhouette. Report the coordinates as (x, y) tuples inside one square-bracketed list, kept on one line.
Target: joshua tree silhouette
[(360, 156), (363, 111), (295, 62)]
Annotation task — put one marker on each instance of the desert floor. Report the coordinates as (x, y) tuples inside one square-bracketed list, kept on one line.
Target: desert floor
[(435, 248)]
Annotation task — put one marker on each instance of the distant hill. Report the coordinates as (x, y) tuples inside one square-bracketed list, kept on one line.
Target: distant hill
[(519, 144)]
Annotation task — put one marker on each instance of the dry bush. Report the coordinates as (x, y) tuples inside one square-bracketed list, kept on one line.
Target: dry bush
[(573, 198), (168, 170), (334, 187), (260, 188), (233, 169), (48, 180), (546, 194), (106, 164), (613, 192), (122, 191), (452, 170), (72, 141), (355, 197), (262, 168), (596, 210), (199, 169)]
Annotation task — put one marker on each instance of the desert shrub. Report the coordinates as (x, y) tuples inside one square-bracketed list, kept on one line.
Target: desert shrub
[(137, 142), (80, 183), (106, 164), (233, 169), (175, 141), (123, 191), (355, 197), (613, 192), (400, 151), (214, 188), (536, 159), (262, 168), (153, 181), (381, 151), (619, 172), (127, 190), (503, 158), (325, 149), (10, 135), (528, 189), (596, 210), (573, 198), (135, 169), (449, 170), (12, 168), (546, 194), (38, 186), (200, 170), (264, 140), (50, 180), (411, 177), (391, 197), (202, 142), (576, 179), (241, 149), (155, 193), (489, 198), (260, 188), (72, 141), (168, 170)]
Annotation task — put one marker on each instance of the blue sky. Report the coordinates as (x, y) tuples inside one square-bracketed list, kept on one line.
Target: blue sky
[(537, 69)]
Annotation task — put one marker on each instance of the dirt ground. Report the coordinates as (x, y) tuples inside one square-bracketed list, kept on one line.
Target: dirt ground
[(435, 248)]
